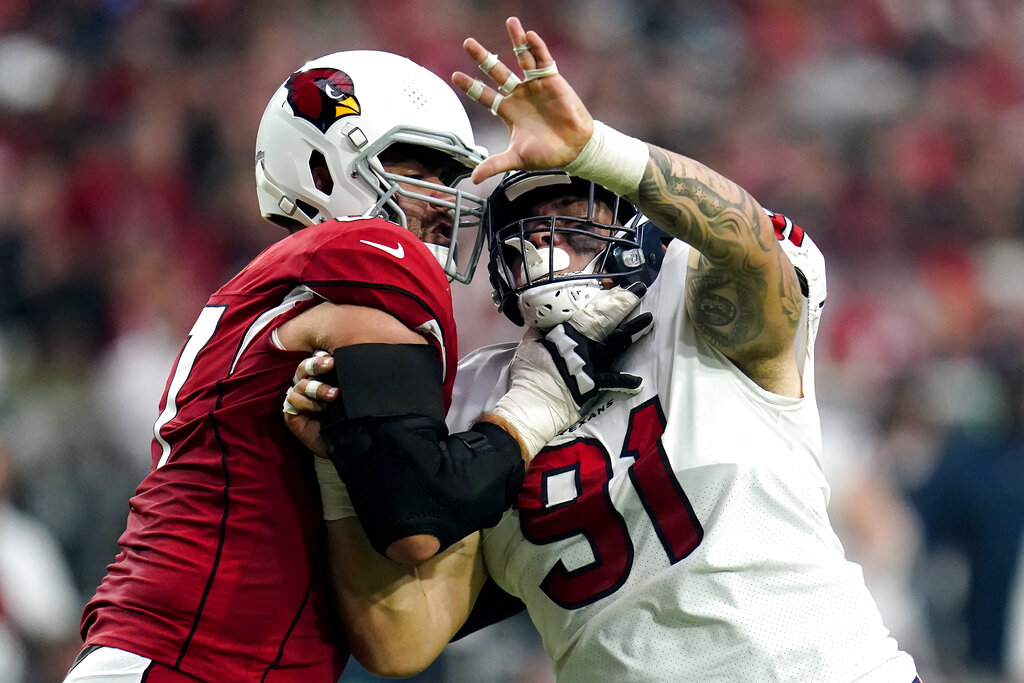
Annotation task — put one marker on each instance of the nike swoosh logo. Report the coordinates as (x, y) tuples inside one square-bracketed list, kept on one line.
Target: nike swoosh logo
[(397, 252)]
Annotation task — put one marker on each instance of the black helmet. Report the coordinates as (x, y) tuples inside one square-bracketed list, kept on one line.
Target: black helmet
[(629, 248)]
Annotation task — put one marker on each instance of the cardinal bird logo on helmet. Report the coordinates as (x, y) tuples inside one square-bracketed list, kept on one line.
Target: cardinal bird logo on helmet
[(322, 96)]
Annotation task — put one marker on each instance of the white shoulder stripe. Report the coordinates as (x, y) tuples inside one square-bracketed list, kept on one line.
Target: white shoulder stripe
[(432, 329), (294, 297)]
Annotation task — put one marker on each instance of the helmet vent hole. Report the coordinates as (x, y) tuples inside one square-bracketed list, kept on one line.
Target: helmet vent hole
[(307, 208), (415, 95), (321, 174)]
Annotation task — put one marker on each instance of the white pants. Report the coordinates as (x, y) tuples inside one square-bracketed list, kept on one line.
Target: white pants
[(109, 665)]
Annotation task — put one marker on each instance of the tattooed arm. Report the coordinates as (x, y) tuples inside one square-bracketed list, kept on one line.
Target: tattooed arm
[(741, 292)]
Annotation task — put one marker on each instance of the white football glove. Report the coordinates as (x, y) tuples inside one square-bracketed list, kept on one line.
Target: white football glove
[(555, 373)]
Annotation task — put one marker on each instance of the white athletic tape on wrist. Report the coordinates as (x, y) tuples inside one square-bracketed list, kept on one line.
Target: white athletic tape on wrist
[(537, 404), (611, 159), (333, 494)]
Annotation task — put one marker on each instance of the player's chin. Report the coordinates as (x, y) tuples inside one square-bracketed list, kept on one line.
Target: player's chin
[(437, 233)]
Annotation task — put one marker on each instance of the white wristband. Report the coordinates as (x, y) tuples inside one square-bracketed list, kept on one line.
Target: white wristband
[(333, 494), (611, 159)]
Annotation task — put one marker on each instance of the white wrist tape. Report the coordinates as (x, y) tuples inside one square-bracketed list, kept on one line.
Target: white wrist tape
[(333, 494), (611, 159), (537, 404)]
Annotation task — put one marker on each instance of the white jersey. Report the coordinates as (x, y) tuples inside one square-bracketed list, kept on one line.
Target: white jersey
[(681, 534)]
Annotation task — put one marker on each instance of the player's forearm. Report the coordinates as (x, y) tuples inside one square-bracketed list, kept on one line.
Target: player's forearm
[(398, 618)]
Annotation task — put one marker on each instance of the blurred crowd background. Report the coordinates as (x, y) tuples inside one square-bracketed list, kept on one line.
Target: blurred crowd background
[(892, 130)]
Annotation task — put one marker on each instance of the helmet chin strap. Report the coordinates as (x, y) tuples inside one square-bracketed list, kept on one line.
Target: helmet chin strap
[(553, 301)]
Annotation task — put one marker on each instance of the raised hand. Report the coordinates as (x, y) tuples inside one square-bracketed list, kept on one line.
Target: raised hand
[(548, 123)]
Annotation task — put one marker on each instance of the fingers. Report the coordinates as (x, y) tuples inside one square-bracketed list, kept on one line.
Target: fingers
[(624, 336), (478, 91), (300, 403), (541, 54), (503, 78), (529, 47), (622, 382), (533, 107), (499, 73), (311, 388), (521, 45), (289, 409), (308, 396), (316, 390), (604, 312), (475, 50), (495, 164), (296, 403), (531, 54), (637, 327), (317, 364)]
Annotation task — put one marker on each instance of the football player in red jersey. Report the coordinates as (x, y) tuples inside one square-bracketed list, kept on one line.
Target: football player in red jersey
[(222, 573)]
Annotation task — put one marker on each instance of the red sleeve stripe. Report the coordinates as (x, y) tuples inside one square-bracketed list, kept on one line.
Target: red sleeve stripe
[(786, 229)]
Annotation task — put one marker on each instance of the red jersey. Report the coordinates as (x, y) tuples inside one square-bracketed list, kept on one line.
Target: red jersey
[(222, 571)]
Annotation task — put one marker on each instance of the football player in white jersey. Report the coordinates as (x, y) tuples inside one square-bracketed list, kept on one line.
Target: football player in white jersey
[(680, 533)]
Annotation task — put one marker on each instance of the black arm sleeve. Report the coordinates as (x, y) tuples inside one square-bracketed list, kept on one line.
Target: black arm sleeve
[(491, 606), (405, 474)]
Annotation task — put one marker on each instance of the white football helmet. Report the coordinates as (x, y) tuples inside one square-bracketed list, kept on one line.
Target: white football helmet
[(320, 138)]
